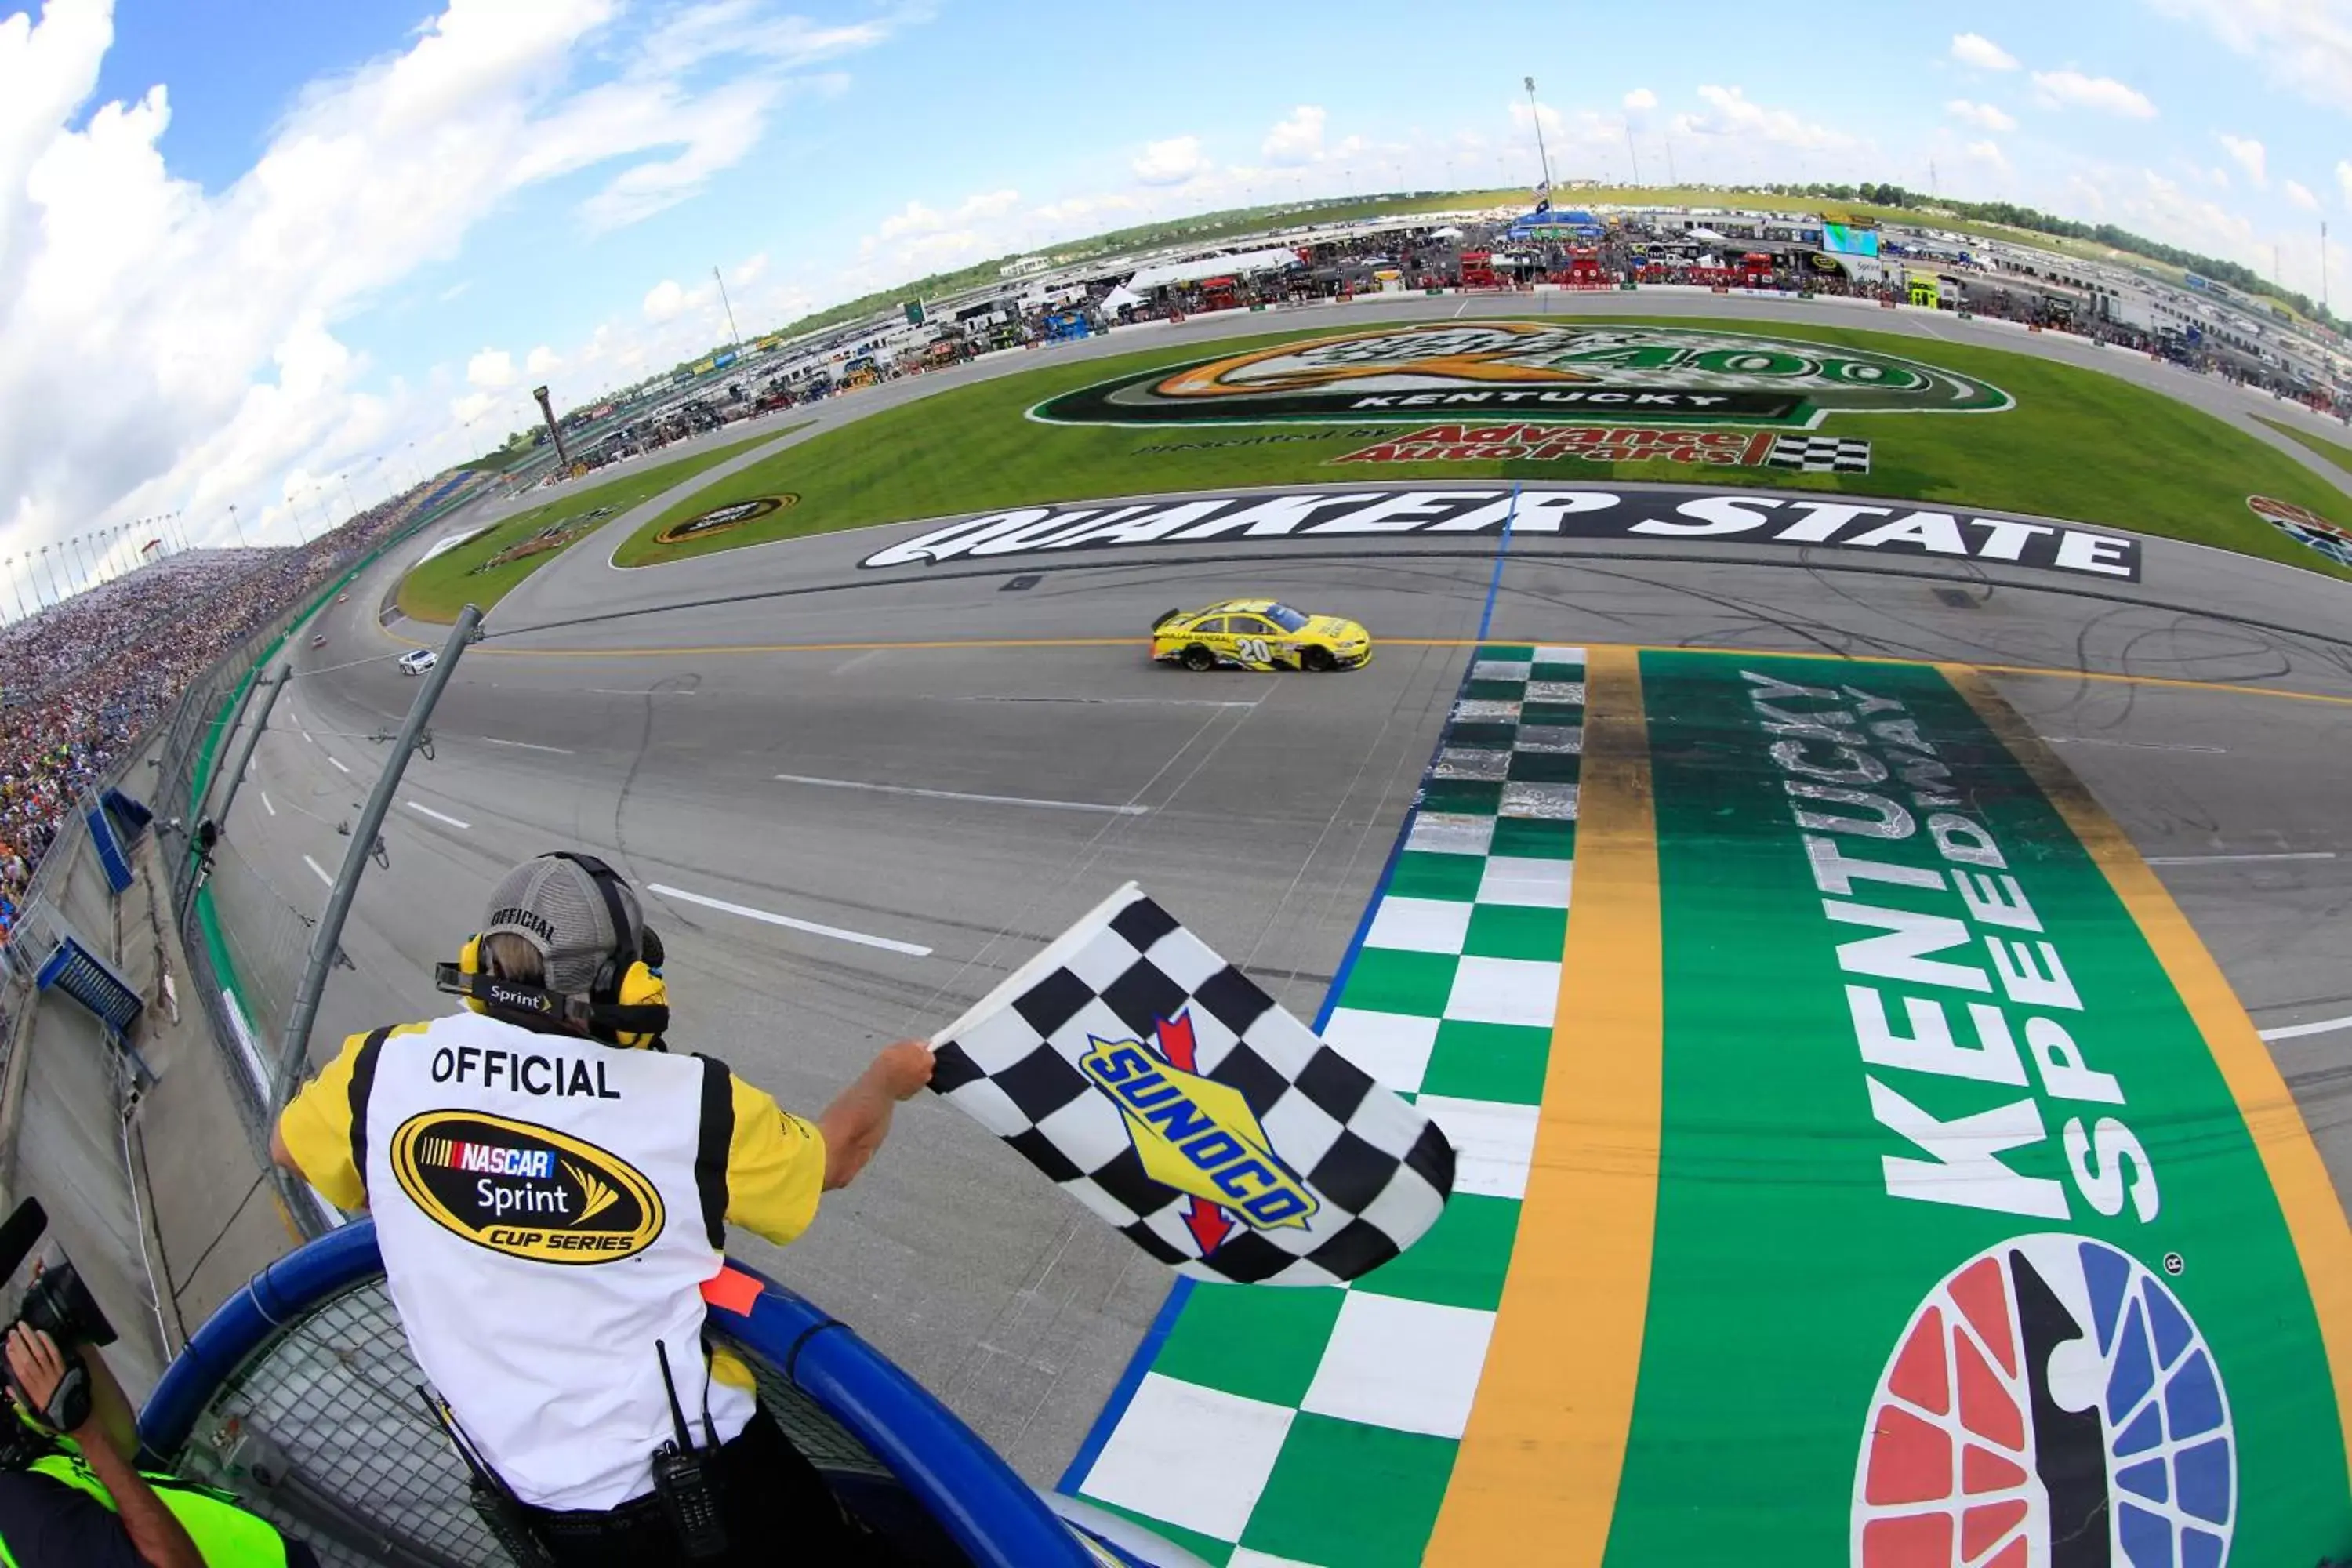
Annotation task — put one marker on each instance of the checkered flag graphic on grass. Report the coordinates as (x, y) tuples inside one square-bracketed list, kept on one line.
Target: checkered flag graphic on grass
[(1820, 454), (1159, 1086)]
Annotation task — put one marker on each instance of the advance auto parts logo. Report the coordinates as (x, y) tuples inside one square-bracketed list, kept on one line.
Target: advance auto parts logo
[(524, 1190), (719, 518), (1530, 370), (2305, 527), (1198, 1136), (2050, 1402)]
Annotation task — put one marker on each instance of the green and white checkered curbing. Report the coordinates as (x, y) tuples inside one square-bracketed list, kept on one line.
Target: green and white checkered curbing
[(1318, 1426)]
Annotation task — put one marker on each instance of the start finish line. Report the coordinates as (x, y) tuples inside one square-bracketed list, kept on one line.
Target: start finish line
[(1871, 1170), (1572, 511)]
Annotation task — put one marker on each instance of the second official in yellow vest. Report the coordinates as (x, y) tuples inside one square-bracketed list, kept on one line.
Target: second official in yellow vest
[(549, 1197)]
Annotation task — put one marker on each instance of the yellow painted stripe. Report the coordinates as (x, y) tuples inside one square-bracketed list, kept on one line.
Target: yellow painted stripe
[(970, 644), (2305, 1196), (1538, 1471)]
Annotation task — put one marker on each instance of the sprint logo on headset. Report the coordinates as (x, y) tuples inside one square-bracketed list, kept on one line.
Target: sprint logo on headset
[(527, 1191)]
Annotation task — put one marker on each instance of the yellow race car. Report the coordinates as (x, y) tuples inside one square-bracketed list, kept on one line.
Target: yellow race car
[(1258, 633)]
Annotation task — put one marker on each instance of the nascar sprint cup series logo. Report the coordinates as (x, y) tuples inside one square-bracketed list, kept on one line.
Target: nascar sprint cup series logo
[(2051, 1405), (525, 1190), (1528, 369)]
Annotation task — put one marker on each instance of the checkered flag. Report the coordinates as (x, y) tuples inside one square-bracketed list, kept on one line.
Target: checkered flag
[(1820, 454), (1161, 1088)]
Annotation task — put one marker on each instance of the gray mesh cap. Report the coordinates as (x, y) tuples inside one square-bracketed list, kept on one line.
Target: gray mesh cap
[(555, 905)]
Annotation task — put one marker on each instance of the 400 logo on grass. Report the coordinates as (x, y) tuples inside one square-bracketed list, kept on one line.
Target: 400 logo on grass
[(1530, 370)]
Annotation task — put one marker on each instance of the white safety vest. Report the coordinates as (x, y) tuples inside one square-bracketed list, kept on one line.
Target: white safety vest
[(548, 1208)]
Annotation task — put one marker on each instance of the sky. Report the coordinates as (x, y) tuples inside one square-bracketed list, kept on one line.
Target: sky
[(270, 258)]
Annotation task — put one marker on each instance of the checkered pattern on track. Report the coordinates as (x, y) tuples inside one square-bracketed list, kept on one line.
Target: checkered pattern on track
[(1271, 1428)]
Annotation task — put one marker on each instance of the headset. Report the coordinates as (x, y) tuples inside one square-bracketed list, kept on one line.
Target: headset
[(627, 1002)]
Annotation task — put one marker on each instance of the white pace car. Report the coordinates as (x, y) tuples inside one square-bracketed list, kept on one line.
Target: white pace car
[(417, 661)]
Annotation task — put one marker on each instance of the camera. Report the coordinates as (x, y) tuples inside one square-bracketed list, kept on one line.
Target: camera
[(59, 1305)]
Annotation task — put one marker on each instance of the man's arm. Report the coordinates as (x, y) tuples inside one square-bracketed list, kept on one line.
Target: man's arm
[(312, 1137), (160, 1539), (859, 1117), (109, 1407)]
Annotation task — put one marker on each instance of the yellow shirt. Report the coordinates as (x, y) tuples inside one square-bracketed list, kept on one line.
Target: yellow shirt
[(775, 1161)]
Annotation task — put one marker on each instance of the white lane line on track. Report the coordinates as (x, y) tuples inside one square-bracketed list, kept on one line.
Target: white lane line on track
[(2130, 745), (522, 745), (2222, 859), (615, 691), (960, 794), (768, 917), (265, 802), (438, 816), (318, 871), (337, 761), (306, 735), (2297, 1031)]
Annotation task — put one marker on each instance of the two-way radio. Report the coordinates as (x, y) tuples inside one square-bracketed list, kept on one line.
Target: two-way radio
[(683, 1481)]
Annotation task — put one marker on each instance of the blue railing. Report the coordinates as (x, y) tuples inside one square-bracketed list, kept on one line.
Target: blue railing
[(995, 1517)]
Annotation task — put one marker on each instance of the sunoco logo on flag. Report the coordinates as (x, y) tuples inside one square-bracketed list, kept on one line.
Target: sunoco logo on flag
[(1163, 1090)]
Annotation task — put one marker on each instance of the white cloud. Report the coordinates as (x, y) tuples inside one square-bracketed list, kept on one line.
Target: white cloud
[(1984, 116), (490, 369), (1975, 49), (925, 238), (1640, 99), (2344, 179), (665, 301), (2305, 44), (989, 204), (913, 218), (1545, 115), (1296, 139), (1732, 114), (1174, 162), (542, 361), (167, 347), (2071, 89), (2250, 157), (2299, 194), (748, 270)]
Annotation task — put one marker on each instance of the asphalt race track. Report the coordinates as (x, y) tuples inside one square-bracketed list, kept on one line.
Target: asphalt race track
[(718, 729)]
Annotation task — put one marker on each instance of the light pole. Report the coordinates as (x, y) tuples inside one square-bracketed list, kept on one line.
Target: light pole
[(1544, 157), (734, 338), (238, 526), (50, 572), (16, 587)]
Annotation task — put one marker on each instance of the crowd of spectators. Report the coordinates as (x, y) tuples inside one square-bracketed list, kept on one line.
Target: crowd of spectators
[(83, 681)]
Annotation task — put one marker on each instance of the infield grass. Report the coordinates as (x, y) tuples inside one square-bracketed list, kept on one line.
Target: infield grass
[(439, 588), (2336, 452), (2079, 444)]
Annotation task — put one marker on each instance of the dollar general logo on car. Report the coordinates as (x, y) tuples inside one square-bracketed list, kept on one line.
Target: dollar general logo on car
[(1530, 370), (525, 1190), (1195, 1134)]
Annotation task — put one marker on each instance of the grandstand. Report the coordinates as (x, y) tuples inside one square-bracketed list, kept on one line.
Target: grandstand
[(83, 681)]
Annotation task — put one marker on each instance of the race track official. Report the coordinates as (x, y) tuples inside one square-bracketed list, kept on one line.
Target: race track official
[(550, 1198)]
